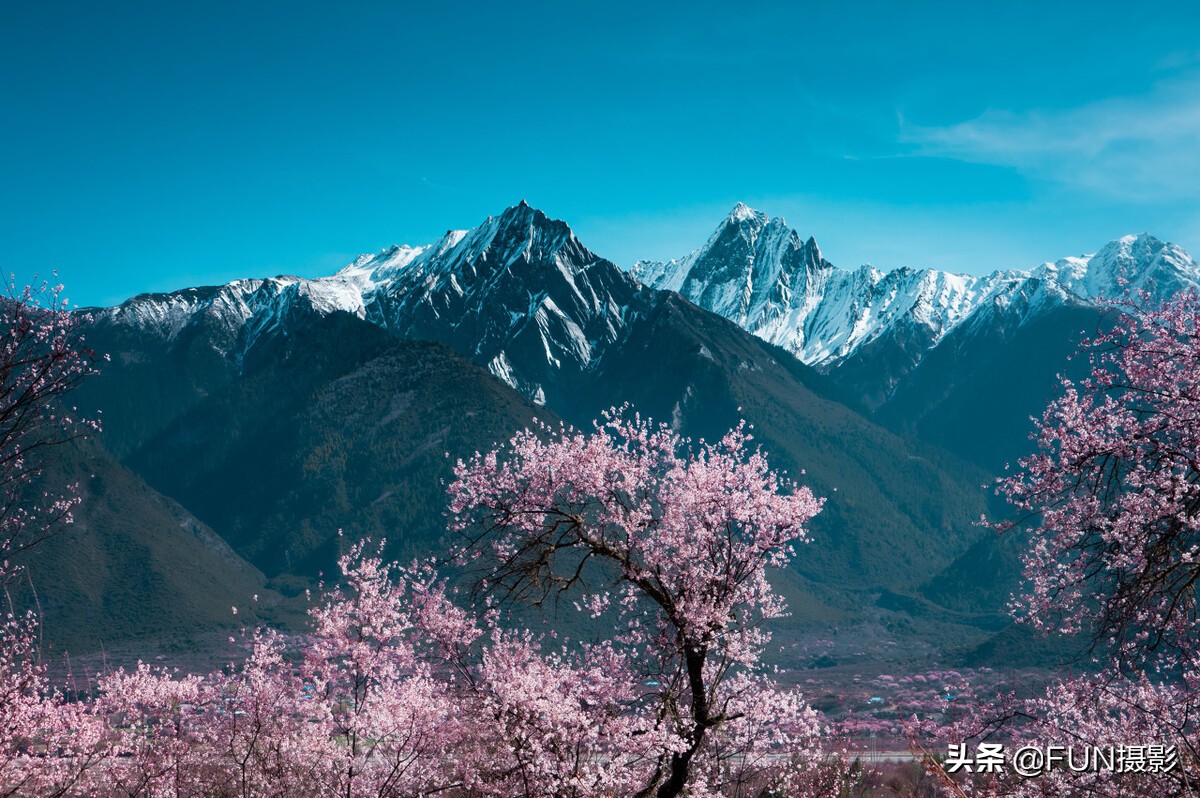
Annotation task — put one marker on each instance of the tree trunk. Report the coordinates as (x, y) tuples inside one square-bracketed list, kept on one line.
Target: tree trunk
[(681, 763)]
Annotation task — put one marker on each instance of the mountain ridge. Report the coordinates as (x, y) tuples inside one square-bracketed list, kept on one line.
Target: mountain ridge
[(762, 274), (754, 270)]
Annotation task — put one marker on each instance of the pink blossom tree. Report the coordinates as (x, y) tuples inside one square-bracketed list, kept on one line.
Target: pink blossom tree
[(46, 744), (1114, 491), (1112, 496), (670, 541), (353, 708), (42, 359), (150, 720), (376, 680)]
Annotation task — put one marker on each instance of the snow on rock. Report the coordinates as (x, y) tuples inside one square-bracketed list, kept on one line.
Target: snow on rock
[(764, 276), (524, 298), (519, 294), (1132, 263)]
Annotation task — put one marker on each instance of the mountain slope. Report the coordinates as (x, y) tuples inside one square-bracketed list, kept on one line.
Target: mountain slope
[(135, 564), (975, 393), (894, 507), (170, 351), (339, 427)]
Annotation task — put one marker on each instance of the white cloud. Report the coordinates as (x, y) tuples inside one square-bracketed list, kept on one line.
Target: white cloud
[(1143, 149)]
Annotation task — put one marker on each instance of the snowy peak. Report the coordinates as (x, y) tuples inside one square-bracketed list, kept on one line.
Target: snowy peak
[(743, 213), (1130, 264), (520, 234), (233, 318), (525, 233), (750, 266), (519, 294), (758, 273)]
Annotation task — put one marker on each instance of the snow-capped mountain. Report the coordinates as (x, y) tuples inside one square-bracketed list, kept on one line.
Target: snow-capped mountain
[(523, 297), (519, 295), (1130, 264), (238, 314), (275, 419), (763, 275)]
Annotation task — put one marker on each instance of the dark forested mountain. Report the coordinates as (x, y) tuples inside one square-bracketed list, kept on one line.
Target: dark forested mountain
[(339, 427), (134, 564)]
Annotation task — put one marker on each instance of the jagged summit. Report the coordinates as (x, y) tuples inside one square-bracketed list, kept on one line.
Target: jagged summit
[(759, 273), (1131, 263), (744, 213), (519, 291), (747, 267), (520, 232), (523, 231)]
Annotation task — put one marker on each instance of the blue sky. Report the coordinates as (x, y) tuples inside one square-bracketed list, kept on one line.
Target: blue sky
[(157, 145)]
